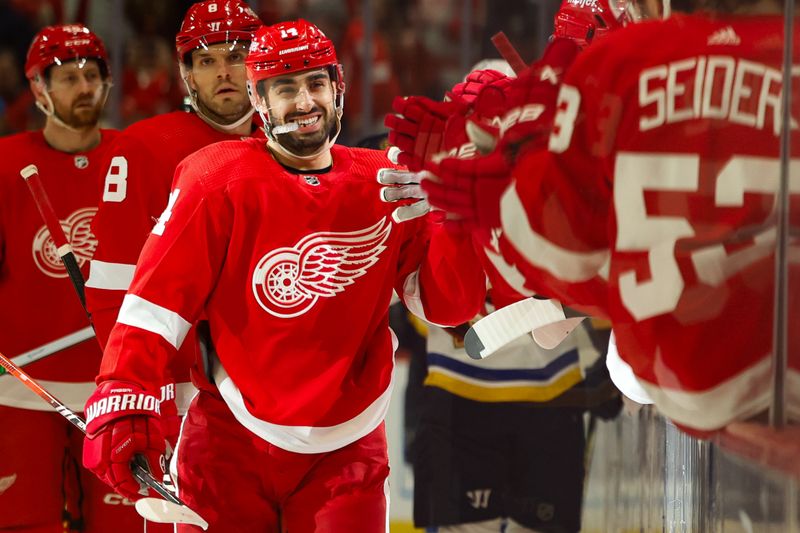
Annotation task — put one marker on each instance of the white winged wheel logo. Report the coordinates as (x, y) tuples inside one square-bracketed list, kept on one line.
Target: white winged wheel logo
[(287, 282), (77, 229)]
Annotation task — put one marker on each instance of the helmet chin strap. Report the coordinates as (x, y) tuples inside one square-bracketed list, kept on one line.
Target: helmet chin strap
[(49, 110), (276, 143), (272, 136), (227, 128)]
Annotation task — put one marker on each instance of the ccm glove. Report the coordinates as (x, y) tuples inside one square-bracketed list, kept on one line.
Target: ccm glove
[(525, 107), (122, 422)]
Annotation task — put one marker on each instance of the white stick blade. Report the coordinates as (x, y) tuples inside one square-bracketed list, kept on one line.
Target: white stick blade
[(505, 325), (551, 335), (164, 512), (28, 171)]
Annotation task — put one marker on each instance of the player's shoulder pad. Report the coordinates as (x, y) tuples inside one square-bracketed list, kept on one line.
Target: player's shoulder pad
[(160, 126), (223, 162), (365, 161)]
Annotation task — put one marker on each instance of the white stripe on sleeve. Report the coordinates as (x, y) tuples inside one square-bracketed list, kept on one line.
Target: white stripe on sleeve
[(140, 313), (561, 263), (110, 276)]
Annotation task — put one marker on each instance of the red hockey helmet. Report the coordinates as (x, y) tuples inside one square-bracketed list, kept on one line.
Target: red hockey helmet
[(55, 45), (584, 20), (290, 47), (216, 21)]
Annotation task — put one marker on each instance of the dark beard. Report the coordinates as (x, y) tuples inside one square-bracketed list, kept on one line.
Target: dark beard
[(308, 144), (83, 120)]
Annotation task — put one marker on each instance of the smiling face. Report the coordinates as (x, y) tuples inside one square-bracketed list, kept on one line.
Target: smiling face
[(77, 91), (218, 77), (306, 99)]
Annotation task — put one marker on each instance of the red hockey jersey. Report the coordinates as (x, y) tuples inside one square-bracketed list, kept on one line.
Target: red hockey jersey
[(138, 173), (294, 273), (39, 304), (654, 206)]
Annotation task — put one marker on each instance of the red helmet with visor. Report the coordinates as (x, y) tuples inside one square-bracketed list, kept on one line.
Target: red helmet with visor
[(56, 45), (585, 20), (217, 21), (288, 48)]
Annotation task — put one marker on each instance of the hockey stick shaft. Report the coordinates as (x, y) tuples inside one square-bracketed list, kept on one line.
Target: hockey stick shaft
[(31, 176), (139, 471), (509, 53), (51, 347)]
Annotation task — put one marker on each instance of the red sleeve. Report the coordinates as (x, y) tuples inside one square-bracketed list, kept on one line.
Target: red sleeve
[(135, 188), (556, 214), (441, 279), (170, 286)]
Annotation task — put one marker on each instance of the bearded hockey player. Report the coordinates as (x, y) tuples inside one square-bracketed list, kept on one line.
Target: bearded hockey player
[(288, 252), (41, 486), (211, 45)]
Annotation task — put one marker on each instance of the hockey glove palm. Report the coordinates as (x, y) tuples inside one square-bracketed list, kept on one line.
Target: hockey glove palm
[(122, 421), (403, 186)]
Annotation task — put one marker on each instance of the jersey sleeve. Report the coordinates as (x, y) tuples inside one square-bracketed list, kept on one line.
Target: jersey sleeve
[(133, 180), (556, 213), (170, 286), (440, 276)]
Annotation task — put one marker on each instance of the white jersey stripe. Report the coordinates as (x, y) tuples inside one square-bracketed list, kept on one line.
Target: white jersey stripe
[(561, 263), (110, 276), (140, 313), (739, 397), (303, 439)]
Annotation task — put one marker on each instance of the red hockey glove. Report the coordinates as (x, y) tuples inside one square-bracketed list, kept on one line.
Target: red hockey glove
[(170, 421), (469, 189), (527, 106), (417, 128), (475, 82), (122, 421)]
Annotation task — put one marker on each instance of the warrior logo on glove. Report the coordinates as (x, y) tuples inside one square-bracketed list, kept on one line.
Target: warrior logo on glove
[(287, 282)]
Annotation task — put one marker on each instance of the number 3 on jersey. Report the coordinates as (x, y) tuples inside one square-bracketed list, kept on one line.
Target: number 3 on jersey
[(158, 229), (116, 184)]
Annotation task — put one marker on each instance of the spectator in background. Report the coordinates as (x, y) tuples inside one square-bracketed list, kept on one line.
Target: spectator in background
[(149, 80), (384, 86)]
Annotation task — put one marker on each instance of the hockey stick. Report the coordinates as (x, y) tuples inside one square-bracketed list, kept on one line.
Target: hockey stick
[(545, 320), (509, 53), (169, 510), (31, 176), (51, 347)]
